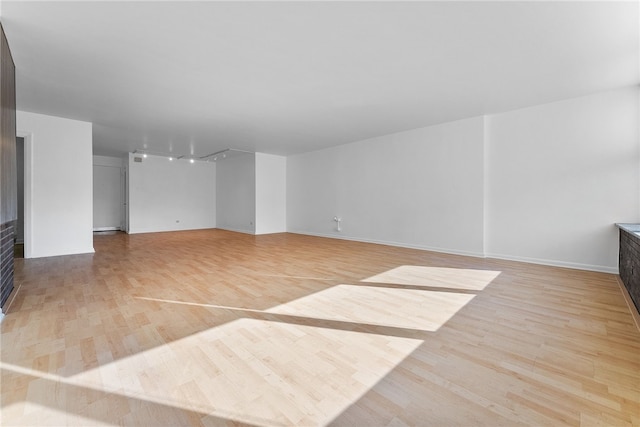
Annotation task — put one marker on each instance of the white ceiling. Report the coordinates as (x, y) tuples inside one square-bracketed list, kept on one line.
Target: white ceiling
[(290, 77)]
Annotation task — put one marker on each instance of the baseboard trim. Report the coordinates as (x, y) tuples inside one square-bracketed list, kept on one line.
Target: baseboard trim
[(629, 301), (237, 230), (391, 243), (106, 229), (176, 230), (551, 263), (49, 255), (13, 296)]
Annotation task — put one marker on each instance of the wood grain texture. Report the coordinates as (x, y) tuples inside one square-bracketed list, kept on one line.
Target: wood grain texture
[(629, 263), (8, 167), (212, 327)]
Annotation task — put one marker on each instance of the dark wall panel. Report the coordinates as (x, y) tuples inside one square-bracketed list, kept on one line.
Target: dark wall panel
[(8, 174), (6, 261), (9, 195), (630, 265)]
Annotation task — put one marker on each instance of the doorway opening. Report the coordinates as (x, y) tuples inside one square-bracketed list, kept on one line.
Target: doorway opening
[(18, 247)]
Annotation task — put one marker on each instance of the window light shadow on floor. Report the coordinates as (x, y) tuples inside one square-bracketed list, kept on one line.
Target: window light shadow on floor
[(436, 277), (401, 308), (411, 308), (55, 400), (303, 362), (247, 369)]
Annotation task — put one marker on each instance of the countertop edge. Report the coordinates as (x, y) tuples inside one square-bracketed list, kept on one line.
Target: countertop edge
[(631, 228)]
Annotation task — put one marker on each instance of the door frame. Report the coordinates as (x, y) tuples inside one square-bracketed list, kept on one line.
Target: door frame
[(28, 191)]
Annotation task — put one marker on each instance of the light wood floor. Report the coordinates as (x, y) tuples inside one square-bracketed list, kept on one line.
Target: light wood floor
[(214, 328)]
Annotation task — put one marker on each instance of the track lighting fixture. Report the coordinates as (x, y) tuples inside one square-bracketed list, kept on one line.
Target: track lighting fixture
[(218, 155)]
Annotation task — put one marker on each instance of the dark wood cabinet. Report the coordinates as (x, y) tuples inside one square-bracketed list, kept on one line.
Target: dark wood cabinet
[(629, 261), (8, 167)]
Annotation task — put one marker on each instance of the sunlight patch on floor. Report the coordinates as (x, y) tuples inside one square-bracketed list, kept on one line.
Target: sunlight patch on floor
[(264, 368), (259, 372), (437, 277), (401, 308), (41, 408), (38, 415)]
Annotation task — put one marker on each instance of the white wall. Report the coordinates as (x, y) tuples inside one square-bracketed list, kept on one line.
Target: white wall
[(421, 188), (271, 195), (560, 175), (236, 193), (58, 185), (167, 195), (544, 184), (108, 193)]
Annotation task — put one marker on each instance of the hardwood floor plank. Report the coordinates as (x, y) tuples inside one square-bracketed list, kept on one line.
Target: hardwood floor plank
[(212, 327)]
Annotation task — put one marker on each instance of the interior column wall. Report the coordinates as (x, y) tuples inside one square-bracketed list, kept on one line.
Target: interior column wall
[(271, 195), (58, 185), (236, 193)]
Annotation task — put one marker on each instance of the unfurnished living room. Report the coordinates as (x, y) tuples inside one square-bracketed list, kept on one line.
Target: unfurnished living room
[(320, 213)]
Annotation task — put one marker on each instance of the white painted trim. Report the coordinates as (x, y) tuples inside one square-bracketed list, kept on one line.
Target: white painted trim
[(237, 230), (106, 229), (57, 254), (13, 296), (627, 298), (167, 231), (391, 243), (28, 191), (575, 266), (551, 263)]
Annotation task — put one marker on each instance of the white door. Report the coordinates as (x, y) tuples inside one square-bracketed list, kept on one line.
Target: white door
[(107, 198)]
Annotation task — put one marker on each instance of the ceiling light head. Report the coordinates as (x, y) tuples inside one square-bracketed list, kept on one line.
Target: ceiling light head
[(144, 155), (191, 161)]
